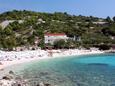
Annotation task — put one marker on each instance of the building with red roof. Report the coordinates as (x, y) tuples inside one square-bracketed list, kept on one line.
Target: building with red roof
[(52, 37)]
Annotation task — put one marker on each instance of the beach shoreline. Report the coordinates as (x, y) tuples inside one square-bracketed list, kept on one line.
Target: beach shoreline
[(41, 56)]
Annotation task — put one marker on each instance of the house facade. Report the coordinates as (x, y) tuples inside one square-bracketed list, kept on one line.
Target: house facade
[(52, 37)]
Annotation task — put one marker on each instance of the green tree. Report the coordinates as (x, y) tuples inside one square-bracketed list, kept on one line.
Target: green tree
[(59, 44), (108, 19), (114, 18)]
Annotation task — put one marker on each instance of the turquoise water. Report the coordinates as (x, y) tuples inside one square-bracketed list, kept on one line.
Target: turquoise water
[(89, 70)]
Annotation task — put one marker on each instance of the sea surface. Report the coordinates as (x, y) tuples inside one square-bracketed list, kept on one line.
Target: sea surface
[(88, 70)]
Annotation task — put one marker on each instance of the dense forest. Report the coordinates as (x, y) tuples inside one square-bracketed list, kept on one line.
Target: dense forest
[(20, 28)]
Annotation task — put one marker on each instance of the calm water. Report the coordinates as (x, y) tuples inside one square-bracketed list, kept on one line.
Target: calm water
[(90, 70)]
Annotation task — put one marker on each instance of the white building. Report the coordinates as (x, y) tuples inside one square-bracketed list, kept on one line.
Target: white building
[(52, 37)]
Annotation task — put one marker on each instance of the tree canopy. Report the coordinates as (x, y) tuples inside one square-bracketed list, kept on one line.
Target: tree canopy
[(26, 25)]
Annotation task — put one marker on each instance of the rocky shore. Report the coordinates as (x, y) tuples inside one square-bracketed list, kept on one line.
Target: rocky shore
[(12, 79)]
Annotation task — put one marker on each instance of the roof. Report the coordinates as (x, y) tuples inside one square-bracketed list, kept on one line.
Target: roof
[(55, 34)]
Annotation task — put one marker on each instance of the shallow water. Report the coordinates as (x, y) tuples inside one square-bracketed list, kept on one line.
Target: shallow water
[(89, 70)]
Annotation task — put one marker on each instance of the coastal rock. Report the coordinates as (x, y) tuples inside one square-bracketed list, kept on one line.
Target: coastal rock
[(47, 84), (11, 72), (41, 84), (4, 82), (1, 63), (43, 73), (7, 77), (44, 84)]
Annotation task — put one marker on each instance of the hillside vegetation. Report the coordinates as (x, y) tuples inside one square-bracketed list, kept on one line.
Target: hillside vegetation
[(26, 25)]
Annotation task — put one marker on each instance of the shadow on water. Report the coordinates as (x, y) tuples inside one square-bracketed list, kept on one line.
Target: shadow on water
[(98, 64)]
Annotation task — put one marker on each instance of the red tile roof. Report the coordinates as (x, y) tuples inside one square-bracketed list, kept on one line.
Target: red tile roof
[(55, 34)]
